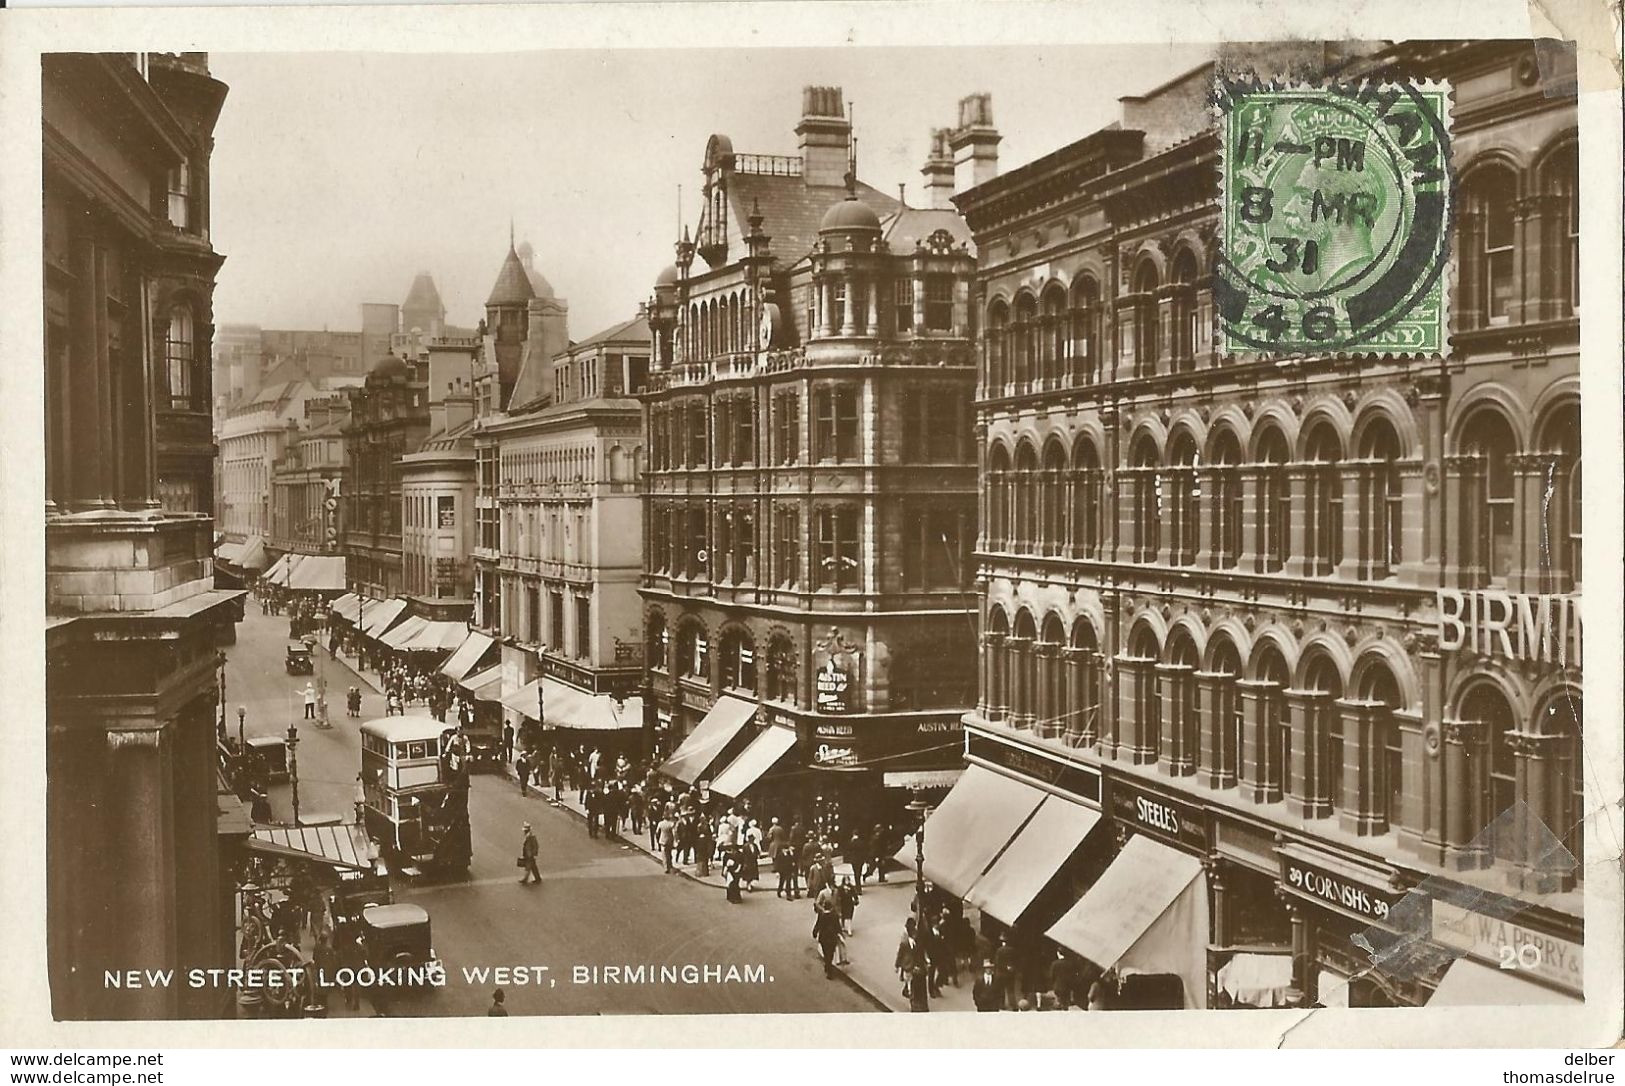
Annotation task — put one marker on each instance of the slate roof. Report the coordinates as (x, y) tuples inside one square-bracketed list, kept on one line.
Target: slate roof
[(423, 295), (914, 224), (637, 328), (791, 211), (513, 285)]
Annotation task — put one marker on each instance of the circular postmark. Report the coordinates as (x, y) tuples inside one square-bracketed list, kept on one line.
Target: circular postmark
[(1335, 219)]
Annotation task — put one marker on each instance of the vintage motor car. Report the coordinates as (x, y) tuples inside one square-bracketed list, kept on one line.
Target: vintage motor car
[(298, 660), (398, 936), (269, 756)]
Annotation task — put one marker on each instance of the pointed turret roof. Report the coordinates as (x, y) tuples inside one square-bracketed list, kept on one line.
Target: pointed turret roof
[(512, 285), (423, 296)]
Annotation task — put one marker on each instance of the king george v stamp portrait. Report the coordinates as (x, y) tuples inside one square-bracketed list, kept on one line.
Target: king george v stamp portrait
[(1335, 219)]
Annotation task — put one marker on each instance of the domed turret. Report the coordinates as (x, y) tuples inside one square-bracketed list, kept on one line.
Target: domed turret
[(390, 367), (849, 216), (668, 277)]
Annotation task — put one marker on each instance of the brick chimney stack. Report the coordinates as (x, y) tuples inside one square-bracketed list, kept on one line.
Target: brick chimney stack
[(939, 171), (975, 142), (825, 135)]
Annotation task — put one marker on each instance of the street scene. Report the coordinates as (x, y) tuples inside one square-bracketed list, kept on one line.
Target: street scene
[(525, 541)]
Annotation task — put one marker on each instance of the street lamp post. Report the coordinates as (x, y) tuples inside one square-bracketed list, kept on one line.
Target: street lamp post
[(242, 745), (919, 808), (293, 767), (220, 662), (313, 644)]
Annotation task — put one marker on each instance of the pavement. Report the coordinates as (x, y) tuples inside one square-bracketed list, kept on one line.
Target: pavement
[(606, 932)]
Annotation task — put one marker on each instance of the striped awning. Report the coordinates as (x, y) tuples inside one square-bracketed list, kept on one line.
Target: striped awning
[(318, 573), (468, 656), (253, 555), (283, 568), (347, 607), (229, 552), (485, 685), (437, 635), (408, 629), (338, 846), (376, 618)]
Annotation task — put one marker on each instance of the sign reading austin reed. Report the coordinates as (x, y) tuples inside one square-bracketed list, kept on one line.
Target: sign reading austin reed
[(1335, 219)]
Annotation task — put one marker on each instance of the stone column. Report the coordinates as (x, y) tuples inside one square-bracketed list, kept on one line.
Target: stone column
[(87, 379), (1128, 318), (1133, 675), (1305, 797), (1355, 481), (1052, 701), (1165, 329), (1208, 512), (1021, 692), (1461, 565), (849, 309), (1531, 473), (919, 312), (984, 692), (1127, 494), (1077, 714), (137, 867), (1255, 770), (1298, 563), (873, 321), (1469, 307), (1220, 761), (1412, 536), (1541, 866), (1175, 754), (818, 307)]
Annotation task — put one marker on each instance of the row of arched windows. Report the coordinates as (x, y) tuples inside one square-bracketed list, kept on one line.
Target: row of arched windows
[(732, 665), (1508, 209), (722, 325), (1235, 718), (1334, 501)]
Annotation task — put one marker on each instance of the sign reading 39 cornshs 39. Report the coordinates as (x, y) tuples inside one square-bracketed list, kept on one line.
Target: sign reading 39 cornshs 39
[(1335, 219)]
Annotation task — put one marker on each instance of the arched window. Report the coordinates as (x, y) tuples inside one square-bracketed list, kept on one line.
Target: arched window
[(1488, 195), (1147, 340), (1185, 499), (1382, 511), (1023, 670), (1275, 723), (657, 646), (1562, 719), (1086, 493), (1560, 500), (1377, 686), (996, 349), (1560, 257), (1148, 694), (1325, 685), (1053, 491), (1052, 701), (1084, 357), (738, 660), (1487, 706), (1052, 337), (1325, 543), (1228, 509), (1026, 341), (999, 514), (1026, 498), (692, 651), (781, 669), (1148, 508), (1185, 708), (1083, 714), (180, 360), (1274, 501), (1187, 333), (1224, 669), (1489, 509)]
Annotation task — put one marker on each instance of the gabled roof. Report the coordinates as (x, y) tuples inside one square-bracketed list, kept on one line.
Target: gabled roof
[(513, 284), (637, 329), (423, 295), (791, 211), (914, 224)]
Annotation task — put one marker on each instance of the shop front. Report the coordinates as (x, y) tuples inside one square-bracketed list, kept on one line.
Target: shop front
[(1504, 956), (1354, 934), (865, 770)]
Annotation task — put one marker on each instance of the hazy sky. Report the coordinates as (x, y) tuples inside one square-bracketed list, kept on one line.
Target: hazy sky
[(336, 177)]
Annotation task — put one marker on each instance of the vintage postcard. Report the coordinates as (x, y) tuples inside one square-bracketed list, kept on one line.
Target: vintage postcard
[(630, 516)]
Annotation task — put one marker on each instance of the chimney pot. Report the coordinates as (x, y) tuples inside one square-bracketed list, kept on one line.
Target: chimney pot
[(825, 135), (975, 143)]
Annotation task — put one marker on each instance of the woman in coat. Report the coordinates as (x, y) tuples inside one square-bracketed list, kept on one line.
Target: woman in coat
[(827, 931), (750, 866), (731, 873)]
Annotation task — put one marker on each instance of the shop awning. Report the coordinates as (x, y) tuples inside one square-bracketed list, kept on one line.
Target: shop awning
[(764, 751), (1046, 842), (253, 554), (1469, 983), (563, 706), (1257, 980), (437, 635), (397, 637), (318, 573), (695, 753), (524, 700), (347, 607), (338, 846), (974, 821), (376, 618), (921, 778), (468, 655), (278, 573), (485, 685), (228, 552), (1146, 914)]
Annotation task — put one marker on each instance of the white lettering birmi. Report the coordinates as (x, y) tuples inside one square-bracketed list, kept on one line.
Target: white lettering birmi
[(1518, 626)]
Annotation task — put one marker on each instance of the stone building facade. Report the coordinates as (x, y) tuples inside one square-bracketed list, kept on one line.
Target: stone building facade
[(140, 839), (1325, 612), (809, 498)]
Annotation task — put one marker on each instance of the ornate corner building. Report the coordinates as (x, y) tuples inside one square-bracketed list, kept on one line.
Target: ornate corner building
[(809, 499), (140, 835), (1314, 623)]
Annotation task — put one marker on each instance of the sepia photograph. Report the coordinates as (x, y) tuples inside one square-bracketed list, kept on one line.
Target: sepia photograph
[(1082, 527)]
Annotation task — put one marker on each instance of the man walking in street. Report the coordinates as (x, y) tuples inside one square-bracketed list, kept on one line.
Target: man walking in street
[(507, 742), (665, 836), (310, 701), (528, 852)]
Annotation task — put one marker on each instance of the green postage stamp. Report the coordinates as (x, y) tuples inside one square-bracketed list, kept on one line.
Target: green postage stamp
[(1335, 219)]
